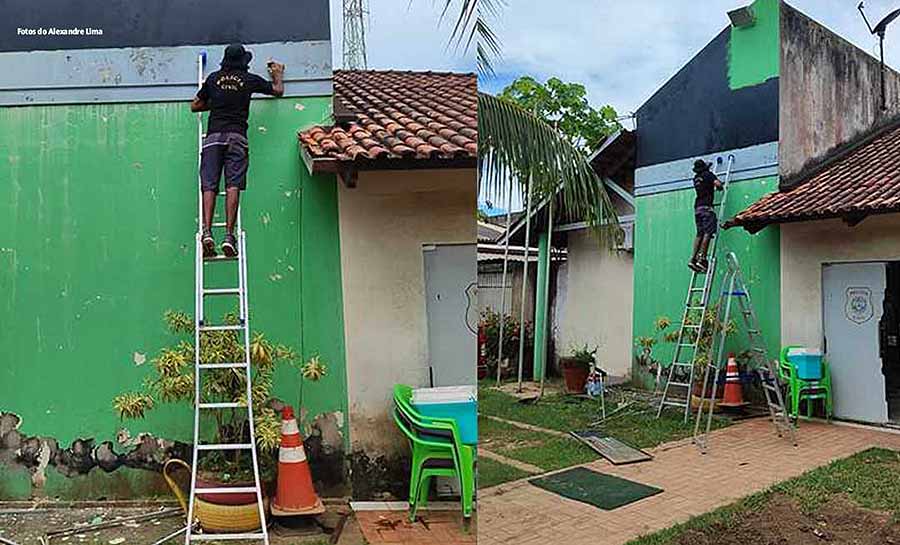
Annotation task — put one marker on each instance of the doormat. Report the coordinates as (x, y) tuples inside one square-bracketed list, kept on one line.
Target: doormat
[(611, 448), (598, 489)]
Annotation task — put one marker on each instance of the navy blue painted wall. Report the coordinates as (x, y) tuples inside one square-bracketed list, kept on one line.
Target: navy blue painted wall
[(135, 23), (697, 113)]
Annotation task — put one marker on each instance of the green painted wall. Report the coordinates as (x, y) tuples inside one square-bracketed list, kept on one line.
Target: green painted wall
[(664, 235), (754, 52), (97, 231)]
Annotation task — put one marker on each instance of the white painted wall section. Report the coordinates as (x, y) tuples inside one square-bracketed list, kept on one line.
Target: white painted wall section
[(805, 246), (384, 222)]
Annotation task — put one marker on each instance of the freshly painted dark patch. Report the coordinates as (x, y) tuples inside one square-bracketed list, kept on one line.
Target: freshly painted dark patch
[(379, 478), (127, 23), (697, 113), (327, 467)]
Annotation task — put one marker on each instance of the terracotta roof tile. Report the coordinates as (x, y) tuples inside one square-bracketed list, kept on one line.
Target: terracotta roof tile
[(400, 115), (859, 179)]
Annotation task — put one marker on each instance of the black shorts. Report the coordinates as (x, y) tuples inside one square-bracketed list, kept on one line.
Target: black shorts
[(707, 223), (228, 152)]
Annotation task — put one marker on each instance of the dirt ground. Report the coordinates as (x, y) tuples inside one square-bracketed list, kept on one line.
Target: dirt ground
[(27, 526), (781, 522)]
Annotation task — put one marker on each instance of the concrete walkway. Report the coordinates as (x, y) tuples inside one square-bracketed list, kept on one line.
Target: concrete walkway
[(742, 459)]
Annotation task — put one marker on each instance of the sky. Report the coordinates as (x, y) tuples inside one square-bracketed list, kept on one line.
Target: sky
[(621, 51)]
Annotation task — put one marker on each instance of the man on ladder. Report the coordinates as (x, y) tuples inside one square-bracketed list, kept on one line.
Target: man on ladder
[(705, 184), (226, 95)]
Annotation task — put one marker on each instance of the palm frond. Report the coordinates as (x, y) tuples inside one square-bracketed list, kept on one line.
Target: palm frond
[(516, 145), (472, 24)]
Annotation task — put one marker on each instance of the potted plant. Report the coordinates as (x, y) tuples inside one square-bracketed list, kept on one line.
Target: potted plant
[(172, 381), (645, 358), (575, 368), (706, 348)]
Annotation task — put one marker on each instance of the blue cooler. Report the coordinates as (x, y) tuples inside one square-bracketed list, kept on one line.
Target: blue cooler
[(808, 363), (456, 402)]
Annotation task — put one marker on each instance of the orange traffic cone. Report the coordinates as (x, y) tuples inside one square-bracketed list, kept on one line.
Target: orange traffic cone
[(295, 494), (734, 395)]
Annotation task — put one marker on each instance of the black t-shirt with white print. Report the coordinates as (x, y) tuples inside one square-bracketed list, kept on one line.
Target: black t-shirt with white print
[(227, 93), (705, 186)]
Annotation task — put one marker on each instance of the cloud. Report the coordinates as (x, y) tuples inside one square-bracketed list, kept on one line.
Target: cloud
[(405, 35), (621, 51)]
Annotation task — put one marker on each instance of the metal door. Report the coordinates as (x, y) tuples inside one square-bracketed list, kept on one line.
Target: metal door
[(452, 313), (853, 296)]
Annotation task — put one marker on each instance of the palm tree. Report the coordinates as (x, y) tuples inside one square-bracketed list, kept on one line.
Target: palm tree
[(516, 146)]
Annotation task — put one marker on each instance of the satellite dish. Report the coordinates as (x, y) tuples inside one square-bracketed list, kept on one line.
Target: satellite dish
[(879, 31), (882, 26)]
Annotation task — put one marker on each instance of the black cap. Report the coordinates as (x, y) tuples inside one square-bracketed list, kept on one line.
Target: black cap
[(700, 165), (236, 57)]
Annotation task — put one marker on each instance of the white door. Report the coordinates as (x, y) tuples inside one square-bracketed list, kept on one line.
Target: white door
[(452, 313), (854, 293)]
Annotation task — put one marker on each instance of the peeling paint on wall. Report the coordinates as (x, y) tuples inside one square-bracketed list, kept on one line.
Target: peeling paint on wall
[(36, 454)]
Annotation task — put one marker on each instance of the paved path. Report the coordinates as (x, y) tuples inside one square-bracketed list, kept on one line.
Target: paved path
[(430, 528), (743, 459)]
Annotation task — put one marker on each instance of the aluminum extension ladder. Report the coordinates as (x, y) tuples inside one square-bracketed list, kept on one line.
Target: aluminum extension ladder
[(735, 289), (693, 320), (241, 328)]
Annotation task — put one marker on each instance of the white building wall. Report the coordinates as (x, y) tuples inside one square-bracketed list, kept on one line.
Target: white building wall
[(805, 247), (598, 303), (384, 222)]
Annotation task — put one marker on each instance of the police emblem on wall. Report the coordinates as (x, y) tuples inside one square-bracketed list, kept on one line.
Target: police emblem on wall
[(858, 307)]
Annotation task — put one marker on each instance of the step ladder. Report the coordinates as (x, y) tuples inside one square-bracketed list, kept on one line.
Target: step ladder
[(734, 289), (242, 328), (680, 376)]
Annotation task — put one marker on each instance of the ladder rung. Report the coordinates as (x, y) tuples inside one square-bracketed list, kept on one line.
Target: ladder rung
[(221, 365), (221, 327), (686, 344), (696, 308), (222, 193), (759, 350), (221, 257), (223, 405), (224, 489), (682, 384), (221, 291), (225, 537), (219, 224), (225, 446)]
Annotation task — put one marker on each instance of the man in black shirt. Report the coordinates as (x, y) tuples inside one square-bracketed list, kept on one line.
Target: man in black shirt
[(705, 184), (226, 95)]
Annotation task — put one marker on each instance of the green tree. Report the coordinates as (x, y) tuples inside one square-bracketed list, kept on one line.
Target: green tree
[(516, 146), (565, 106)]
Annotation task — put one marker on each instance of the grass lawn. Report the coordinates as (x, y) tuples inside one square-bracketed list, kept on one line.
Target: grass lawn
[(543, 450), (491, 473), (636, 426), (854, 500)]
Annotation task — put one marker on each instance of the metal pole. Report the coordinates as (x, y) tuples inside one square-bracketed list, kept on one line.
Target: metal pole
[(547, 290), (503, 283), (524, 285), (883, 90)]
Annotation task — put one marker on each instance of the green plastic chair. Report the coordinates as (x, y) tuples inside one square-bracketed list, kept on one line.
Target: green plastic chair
[(800, 390), (436, 452)]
